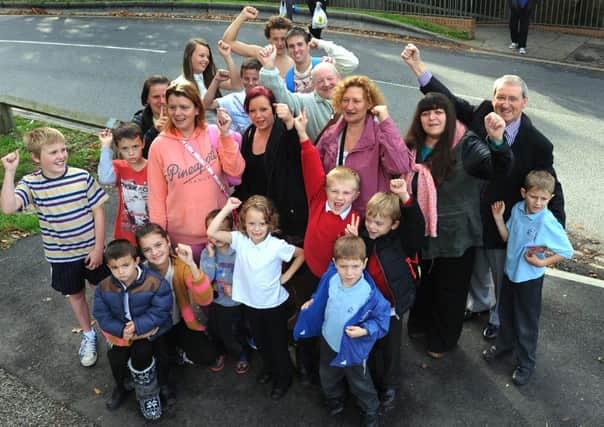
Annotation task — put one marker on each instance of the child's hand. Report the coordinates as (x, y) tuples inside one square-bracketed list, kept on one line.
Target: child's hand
[(399, 187), (106, 138), (497, 209), (224, 48), (185, 253), (353, 227), (94, 259), (223, 120), (267, 55), (381, 112), (233, 203), (161, 122), (306, 304), (533, 259), (129, 331), (222, 75), (355, 331), (211, 249), (283, 112), (11, 161), (147, 335), (285, 277), (227, 290), (537, 249)]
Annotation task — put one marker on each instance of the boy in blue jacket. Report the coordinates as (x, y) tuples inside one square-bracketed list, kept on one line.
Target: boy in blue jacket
[(133, 307), (349, 314)]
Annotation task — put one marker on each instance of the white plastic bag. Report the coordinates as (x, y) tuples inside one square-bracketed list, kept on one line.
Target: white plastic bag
[(282, 9), (319, 18)]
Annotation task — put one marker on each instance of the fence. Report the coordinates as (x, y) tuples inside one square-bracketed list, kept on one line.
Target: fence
[(568, 13)]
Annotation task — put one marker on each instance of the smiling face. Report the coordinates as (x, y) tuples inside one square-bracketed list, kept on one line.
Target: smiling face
[(256, 226), (131, 150), (508, 102), (156, 249), (200, 59), (261, 113), (124, 269), (157, 98), (378, 225), (354, 105), (298, 49), (434, 122), (52, 159), (182, 113), (535, 200), (350, 270), (325, 78), (277, 38), (250, 78), (341, 194)]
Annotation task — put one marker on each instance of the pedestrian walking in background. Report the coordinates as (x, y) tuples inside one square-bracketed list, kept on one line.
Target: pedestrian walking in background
[(520, 15)]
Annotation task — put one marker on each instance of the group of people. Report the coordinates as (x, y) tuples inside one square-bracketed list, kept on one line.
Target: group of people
[(298, 187)]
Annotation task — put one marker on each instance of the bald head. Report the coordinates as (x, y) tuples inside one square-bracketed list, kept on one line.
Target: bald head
[(325, 77)]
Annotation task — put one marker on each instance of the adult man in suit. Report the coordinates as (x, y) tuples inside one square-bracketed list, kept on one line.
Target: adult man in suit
[(532, 151)]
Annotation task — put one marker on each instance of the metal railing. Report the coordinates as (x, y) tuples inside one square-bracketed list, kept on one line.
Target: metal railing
[(569, 13)]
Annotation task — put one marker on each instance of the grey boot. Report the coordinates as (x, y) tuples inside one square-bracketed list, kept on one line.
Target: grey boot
[(147, 390)]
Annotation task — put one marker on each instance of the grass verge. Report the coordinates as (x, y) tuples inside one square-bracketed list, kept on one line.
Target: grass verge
[(394, 17), (83, 153)]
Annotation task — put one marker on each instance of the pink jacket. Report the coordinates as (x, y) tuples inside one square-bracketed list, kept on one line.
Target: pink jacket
[(379, 155), (181, 192)]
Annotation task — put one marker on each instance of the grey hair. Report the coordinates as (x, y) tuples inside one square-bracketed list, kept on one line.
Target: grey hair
[(511, 79)]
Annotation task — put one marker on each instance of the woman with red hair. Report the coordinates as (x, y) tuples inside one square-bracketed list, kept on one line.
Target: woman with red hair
[(271, 150)]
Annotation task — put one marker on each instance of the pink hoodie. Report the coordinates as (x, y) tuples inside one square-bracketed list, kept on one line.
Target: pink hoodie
[(181, 192)]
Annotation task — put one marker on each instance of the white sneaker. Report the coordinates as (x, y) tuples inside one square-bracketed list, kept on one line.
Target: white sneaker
[(522, 51), (88, 351), (513, 46)]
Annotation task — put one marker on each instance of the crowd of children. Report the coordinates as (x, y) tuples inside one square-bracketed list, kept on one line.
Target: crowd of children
[(158, 306)]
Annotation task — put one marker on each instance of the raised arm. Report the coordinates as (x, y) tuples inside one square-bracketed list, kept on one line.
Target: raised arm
[(234, 81), (229, 154), (232, 31), (10, 202), (214, 230), (344, 60), (270, 78), (105, 169), (490, 158)]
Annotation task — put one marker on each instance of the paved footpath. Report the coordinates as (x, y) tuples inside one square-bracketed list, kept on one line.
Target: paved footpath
[(42, 383)]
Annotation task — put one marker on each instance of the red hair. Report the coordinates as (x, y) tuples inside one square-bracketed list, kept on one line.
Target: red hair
[(255, 92)]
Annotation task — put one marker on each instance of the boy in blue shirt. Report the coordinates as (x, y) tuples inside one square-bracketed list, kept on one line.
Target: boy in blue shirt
[(349, 314), (531, 230)]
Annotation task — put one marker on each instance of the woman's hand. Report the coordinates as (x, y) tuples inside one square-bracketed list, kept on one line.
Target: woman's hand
[(381, 112), (300, 123), (495, 126), (284, 113), (222, 75), (223, 120), (224, 48), (161, 122), (185, 253)]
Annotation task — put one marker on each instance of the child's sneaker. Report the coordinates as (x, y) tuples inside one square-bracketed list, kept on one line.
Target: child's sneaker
[(242, 366), (218, 364), (88, 350)]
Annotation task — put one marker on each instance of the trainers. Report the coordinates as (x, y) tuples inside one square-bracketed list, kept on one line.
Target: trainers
[(242, 367), (522, 51), (513, 46), (218, 364), (521, 376), (490, 332), (88, 351), (492, 353)]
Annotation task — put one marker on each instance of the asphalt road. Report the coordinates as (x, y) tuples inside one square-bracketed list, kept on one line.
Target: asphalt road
[(97, 65)]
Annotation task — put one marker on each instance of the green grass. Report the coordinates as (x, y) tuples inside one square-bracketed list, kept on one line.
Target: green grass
[(395, 17), (83, 153)]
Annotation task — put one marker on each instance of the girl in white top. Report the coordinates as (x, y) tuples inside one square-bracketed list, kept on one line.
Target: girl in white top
[(258, 280), (199, 68)]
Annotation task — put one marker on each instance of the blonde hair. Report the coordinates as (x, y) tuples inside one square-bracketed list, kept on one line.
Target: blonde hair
[(342, 173), (188, 90), (265, 207), (349, 247), (385, 205), (371, 93), (35, 139), (540, 181)]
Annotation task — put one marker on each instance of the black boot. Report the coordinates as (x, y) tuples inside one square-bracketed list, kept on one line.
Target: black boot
[(118, 397), (147, 390)]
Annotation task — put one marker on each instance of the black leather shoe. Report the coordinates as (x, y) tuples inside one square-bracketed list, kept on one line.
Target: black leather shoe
[(278, 393), (118, 397), (264, 378), (492, 353), (388, 399), (335, 406), (521, 376), (490, 332)]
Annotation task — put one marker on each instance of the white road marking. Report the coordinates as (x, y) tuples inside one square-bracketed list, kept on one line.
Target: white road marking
[(82, 45), (585, 280)]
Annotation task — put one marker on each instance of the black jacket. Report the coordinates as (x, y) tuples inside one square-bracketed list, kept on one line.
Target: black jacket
[(395, 252), (144, 118), (531, 150), (285, 183)]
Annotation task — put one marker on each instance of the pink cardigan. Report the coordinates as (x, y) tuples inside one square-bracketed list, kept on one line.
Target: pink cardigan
[(181, 192)]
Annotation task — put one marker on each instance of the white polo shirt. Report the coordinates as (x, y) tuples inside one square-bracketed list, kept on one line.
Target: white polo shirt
[(257, 272)]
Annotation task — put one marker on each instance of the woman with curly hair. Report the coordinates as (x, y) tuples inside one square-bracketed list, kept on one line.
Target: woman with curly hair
[(363, 137)]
